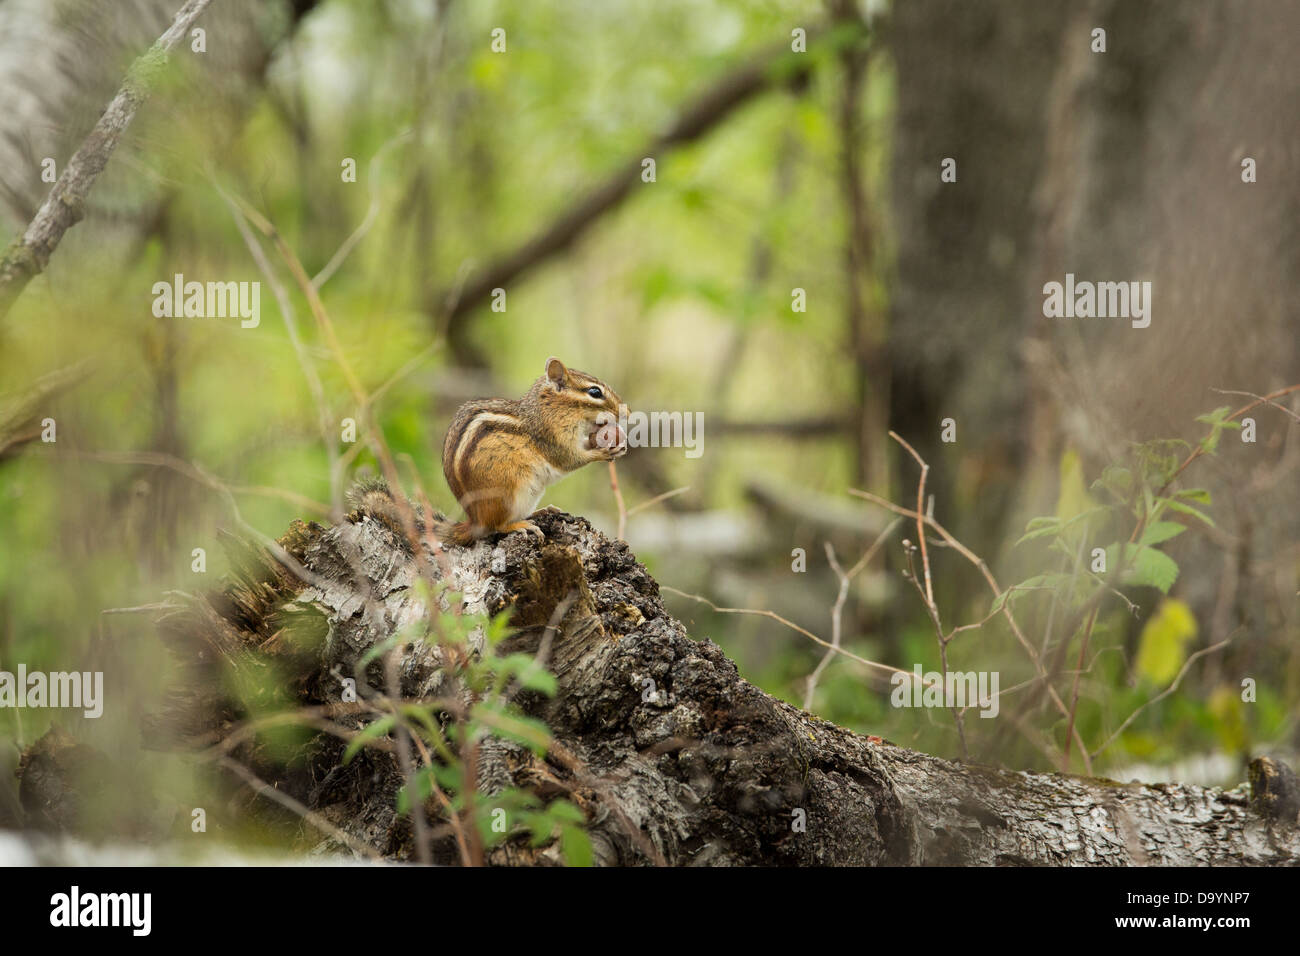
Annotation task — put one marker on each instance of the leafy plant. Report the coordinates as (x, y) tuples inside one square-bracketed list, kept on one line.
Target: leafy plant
[(449, 735), (1108, 538)]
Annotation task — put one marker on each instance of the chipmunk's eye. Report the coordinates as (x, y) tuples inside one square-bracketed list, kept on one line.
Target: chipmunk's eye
[(595, 392)]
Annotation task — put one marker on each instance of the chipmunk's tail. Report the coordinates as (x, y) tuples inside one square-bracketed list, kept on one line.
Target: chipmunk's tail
[(454, 532), (372, 497)]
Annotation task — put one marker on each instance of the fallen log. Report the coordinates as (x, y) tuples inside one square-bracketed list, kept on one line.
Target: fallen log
[(671, 755)]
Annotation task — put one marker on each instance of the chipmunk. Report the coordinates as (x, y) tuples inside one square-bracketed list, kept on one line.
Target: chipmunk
[(499, 455)]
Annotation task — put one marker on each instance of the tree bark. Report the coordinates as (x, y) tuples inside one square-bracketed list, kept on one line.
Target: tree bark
[(673, 756)]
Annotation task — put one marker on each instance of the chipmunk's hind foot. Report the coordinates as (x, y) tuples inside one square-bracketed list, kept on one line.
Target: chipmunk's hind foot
[(527, 526)]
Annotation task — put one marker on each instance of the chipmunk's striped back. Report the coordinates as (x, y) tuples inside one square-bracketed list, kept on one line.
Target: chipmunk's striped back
[(474, 421)]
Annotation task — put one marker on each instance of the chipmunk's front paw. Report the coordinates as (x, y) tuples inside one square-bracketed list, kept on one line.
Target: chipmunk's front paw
[(607, 442)]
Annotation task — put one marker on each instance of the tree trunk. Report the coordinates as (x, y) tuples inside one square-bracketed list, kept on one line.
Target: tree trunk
[(673, 756)]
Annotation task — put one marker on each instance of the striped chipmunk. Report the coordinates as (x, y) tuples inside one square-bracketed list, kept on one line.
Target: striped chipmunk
[(500, 454)]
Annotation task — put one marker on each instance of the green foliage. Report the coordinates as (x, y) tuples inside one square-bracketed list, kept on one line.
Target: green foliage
[(1218, 422), (1142, 566), (500, 146), (451, 736), (1131, 512), (1135, 500)]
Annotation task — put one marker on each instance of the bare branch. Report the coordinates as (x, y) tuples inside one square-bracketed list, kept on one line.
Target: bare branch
[(372, 213), (760, 612), (837, 611), (28, 255), (712, 107), (989, 579), (262, 788), (19, 413), (1258, 399)]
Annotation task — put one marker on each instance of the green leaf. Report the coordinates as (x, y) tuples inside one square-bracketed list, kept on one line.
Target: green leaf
[(1117, 480), (450, 779), (539, 826), (576, 845), (1217, 420), (1216, 417), (1162, 531), (423, 780), (421, 716), (1061, 547), (499, 628), (1148, 503), (1158, 460), (1153, 569), (1145, 567), (1187, 509), (538, 678), (566, 812), (1162, 648), (525, 669), (379, 648), (1200, 495), (534, 734), (1040, 527), (372, 730)]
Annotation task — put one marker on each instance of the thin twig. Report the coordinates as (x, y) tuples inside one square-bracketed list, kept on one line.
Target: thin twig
[(920, 520), (927, 596), (836, 627), (1199, 450), (991, 581), (1074, 691), (419, 820), (372, 213), (324, 416), (658, 498), (618, 500), (294, 264), (845, 579), (1163, 694), (262, 788), (142, 608), (794, 627), (1258, 399)]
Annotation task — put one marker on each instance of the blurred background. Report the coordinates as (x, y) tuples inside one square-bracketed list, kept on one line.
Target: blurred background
[(797, 271)]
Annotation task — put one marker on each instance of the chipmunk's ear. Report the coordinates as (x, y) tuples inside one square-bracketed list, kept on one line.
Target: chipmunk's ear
[(556, 372)]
